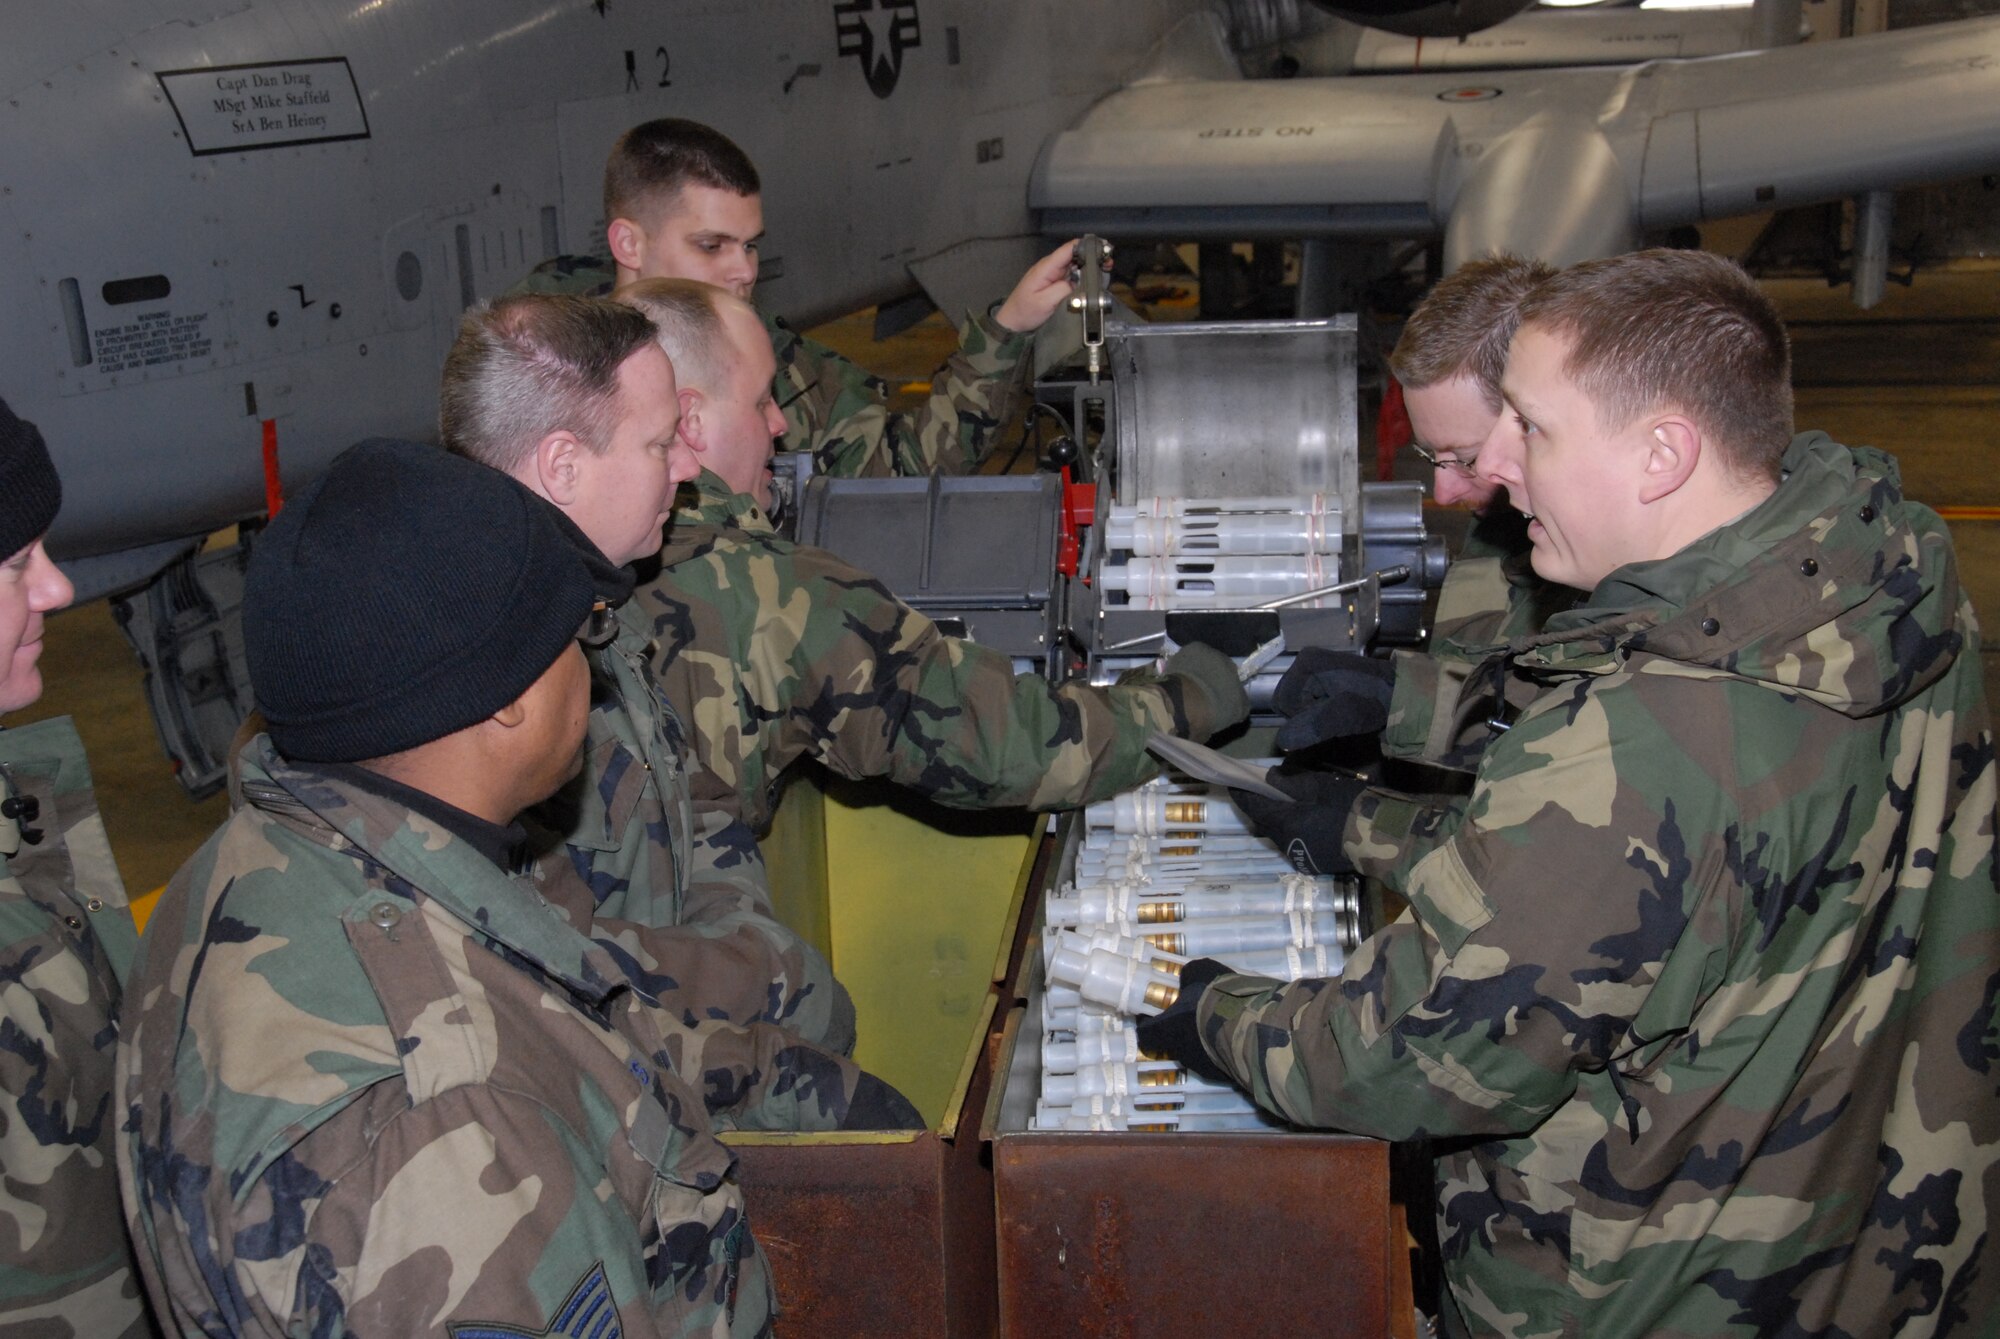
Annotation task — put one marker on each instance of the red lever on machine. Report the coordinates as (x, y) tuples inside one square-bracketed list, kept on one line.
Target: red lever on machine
[(1079, 508)]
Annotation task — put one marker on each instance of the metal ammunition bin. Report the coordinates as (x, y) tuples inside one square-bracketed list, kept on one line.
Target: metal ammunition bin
[(1243, 1233), (918, 907)]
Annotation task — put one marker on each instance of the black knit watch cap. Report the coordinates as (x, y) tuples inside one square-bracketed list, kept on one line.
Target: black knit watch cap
[(406, 595), (30, 492)]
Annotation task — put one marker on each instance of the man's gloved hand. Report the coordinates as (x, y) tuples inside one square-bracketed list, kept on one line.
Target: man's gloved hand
[(1307, 828), (1173, 1033), (1216, 675), (1332, 695)]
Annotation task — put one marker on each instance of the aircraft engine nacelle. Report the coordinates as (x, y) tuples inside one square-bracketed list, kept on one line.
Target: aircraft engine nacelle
[(1425, 18)]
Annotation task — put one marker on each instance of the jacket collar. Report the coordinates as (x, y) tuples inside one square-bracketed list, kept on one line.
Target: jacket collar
[(422, 853), (1833, 587), (710, 508)]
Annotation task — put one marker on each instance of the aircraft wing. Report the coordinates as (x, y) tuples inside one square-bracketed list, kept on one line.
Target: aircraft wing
[(1565, 164)]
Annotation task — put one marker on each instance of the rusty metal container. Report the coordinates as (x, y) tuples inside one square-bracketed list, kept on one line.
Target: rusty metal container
[(980, 1226), (876, 1234), (1225, 1234), (891, 1233)]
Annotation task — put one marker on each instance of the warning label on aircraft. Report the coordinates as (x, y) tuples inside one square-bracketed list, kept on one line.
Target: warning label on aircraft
[(152, 339), (233, 108)]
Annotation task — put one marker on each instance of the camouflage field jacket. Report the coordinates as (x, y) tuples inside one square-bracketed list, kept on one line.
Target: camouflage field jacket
[(1701, 984), (66, 943), (374, 1085), (774, 651), (840, 413)]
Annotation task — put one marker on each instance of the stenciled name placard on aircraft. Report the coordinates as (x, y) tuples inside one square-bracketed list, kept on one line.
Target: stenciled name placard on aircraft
[(233, 108)]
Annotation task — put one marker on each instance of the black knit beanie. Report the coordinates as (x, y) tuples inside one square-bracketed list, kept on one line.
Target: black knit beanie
[(30, 492), (406, 595)]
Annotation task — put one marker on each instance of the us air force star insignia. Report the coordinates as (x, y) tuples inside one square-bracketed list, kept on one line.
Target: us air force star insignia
[(587, 1313), (877, 33)]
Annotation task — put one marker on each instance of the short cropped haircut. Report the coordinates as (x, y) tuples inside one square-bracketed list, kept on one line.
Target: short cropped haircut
[(1464, 325), (652, 161), (1680, 330), (526, 366), (688, 315)]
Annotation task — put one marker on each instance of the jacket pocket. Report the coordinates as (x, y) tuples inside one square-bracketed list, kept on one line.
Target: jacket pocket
[(701, 1260), (1447, 899)]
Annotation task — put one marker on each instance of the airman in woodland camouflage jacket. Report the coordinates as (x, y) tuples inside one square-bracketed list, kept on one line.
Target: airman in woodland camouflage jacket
[(66, 944), (774, 651), (840, 413), (348, 1023), (685, 888), (1702, 979)]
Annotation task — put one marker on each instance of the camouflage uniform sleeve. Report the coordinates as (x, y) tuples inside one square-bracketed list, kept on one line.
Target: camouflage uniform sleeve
[(773, 652), (1407, 1041), (65, 1269), (872, 688), (729, 957), (841, 413), (764, 1077), (950, 719), (1424, 705)]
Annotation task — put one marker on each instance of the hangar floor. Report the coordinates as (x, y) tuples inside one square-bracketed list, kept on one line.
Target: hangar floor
[(1918, 376)]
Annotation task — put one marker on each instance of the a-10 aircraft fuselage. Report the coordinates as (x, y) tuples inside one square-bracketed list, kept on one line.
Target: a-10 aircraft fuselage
[(228, 223)]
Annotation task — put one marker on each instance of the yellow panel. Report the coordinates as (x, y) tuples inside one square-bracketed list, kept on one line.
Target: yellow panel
[(795, 858), (816, 1138), (918, 907)]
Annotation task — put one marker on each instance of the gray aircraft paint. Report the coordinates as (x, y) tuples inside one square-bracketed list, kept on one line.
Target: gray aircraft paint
[(217, 214)]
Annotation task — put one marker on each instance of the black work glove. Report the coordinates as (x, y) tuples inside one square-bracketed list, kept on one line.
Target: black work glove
[(1307, 827), (1332, 695), (1172, 1034)]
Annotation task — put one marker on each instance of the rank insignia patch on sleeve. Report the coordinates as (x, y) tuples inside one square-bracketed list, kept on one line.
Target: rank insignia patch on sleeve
[(587, 1313)]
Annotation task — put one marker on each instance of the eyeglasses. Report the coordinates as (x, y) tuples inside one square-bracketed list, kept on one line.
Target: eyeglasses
[(600, 626), (1462, 468)]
